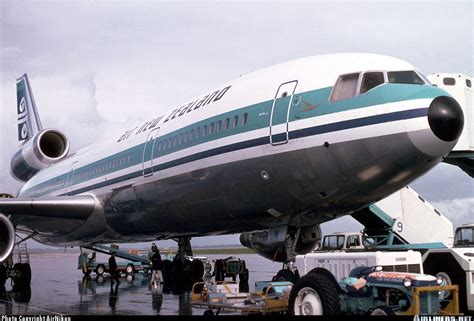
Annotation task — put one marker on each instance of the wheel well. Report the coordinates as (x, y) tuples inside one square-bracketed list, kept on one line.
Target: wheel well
[(328, 275), (445, 262)]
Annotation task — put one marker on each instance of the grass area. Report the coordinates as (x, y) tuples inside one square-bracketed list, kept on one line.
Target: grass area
[(236, 250)]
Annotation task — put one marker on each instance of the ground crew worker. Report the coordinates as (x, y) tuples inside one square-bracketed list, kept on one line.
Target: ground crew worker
[(156, 266), (113, 269)]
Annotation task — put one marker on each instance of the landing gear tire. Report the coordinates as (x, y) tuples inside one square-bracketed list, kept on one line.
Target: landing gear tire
[(167, 272), (382, 310), (21, 294), (3, 274), (285, 275), (314, 294), (198, 271), (24, 274), (100, 270)]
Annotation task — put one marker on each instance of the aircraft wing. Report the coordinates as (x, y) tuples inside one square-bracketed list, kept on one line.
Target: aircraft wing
[(66, 207)]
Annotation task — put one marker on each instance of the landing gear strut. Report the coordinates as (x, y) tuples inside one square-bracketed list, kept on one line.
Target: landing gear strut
[(178, 275), (184, 247), (289, 271)]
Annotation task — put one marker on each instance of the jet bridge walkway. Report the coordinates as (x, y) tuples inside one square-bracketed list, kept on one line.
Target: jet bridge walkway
[(404, 220)]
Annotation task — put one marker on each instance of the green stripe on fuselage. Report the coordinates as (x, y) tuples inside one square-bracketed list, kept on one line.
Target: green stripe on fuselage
[(305, 105)]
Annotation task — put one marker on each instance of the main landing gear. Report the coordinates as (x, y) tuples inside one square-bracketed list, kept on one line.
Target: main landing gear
[(19, 272), (181, 273), (289, 272)]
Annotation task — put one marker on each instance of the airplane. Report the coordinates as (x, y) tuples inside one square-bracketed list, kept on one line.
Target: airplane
[(278, 151)]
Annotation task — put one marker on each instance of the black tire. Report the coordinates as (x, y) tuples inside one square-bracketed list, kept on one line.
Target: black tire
[(24, 277), (382, 310), (100, 269), (219, 271), (100, 279), (198, 271), (187, 274), (129, 269), (167, 272), (286, 275), (21, 294), (208, 313), (145, 271), (314, 294), (445, 262), (244, 281)]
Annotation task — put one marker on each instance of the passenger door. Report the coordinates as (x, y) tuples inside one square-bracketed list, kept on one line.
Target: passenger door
[(149, 152), (70, 178), (280, 112)]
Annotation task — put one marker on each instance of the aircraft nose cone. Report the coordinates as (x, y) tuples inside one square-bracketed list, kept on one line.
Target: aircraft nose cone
[(446, 118)]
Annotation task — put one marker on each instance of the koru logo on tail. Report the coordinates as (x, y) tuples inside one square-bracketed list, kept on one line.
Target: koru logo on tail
[(22, 124), (22, 106)]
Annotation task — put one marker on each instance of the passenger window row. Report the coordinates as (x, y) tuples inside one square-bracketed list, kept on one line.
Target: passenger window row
[(201, 131), (350, 85), (102, 167), (82, 174)]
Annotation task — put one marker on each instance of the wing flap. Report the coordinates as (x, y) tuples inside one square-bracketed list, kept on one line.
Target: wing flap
[(66, 207)]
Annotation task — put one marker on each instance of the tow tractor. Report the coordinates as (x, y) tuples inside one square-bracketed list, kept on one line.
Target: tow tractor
[(371, 291)]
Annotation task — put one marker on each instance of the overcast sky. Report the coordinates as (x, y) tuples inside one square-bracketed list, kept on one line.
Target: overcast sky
[(97, 66)]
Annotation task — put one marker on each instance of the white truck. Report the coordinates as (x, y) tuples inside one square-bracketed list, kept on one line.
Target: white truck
[(340, 263)]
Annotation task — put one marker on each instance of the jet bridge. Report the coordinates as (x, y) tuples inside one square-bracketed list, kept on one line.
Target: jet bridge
[(404, 220), (460, 87)]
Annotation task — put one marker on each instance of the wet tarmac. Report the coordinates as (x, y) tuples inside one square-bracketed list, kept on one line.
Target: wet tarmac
[(58, 288)]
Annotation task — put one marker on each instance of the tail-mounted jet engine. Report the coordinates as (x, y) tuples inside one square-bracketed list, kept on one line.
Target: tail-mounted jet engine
[(7, 237), (273, 243), (46, 148)]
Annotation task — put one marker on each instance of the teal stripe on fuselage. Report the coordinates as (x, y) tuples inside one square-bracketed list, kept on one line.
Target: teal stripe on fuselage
[(305, 105)]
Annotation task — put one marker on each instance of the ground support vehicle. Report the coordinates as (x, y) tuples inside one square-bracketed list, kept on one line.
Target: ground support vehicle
[(269, 298), (341, 263), (375, 292), (87, 261), (88, 264)]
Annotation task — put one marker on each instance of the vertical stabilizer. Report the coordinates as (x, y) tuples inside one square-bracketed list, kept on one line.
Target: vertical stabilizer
[(29, 123)]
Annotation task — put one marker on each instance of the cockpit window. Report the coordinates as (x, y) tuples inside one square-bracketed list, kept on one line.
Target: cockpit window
[(345, 87), (371, 80), (404, 77)]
